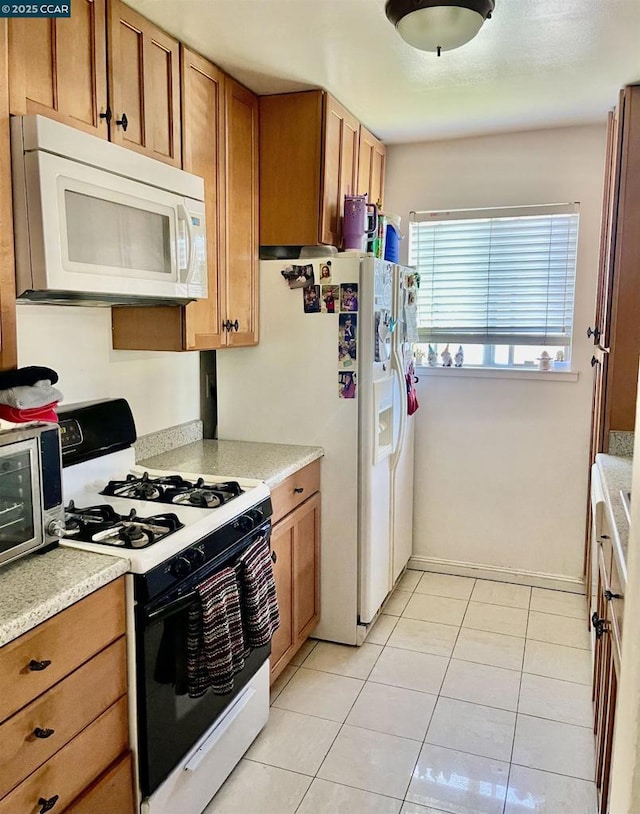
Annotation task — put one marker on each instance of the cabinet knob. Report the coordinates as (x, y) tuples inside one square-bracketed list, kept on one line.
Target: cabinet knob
[(235, 325), (599, 625), (107, 115), (594, 361), (38, 666), (609, 595), (123, 122), (47, 805), (274, 557), (298, 490), (43, 733), (595, 333)]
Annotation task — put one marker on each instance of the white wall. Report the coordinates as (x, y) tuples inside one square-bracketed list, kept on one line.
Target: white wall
[(162, 388), (501, 465)]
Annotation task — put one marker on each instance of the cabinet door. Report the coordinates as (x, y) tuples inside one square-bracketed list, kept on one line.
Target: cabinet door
[(341, 131), (624, 325), (203, 153), (59, 67), (371, 166), (611, 185), (240, 288), (282, 540), (306, 570), (144, 85), (290, 168), (8, 338)]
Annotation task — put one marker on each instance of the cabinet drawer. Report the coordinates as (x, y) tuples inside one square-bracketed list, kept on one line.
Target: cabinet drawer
[(65, 641), (75, 766), (112, 792), (65, 710), (295, 490)]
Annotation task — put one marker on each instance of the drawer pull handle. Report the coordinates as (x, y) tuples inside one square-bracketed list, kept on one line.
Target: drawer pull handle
[(43, 733), (299, 490), (47, 805), (608, 595), (274, 557), (38, 666)]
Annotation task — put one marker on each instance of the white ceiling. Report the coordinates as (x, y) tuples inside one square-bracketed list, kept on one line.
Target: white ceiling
[(535, 64)]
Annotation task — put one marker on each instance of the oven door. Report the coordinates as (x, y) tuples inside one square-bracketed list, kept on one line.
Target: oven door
[(169, 724), (20, 500)]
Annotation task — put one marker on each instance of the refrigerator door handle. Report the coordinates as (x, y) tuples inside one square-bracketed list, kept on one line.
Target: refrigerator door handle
[(402, 429)]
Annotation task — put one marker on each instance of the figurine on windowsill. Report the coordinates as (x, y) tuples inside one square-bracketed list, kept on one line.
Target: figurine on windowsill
[(446, 357), (459, 357), (432, 357)]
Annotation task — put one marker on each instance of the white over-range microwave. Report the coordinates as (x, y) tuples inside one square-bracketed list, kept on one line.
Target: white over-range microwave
[(97, 223)]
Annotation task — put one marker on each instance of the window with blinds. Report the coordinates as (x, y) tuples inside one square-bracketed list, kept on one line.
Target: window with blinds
[(496, 277)]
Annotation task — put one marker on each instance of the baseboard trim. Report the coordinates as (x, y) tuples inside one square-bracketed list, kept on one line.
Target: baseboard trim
[(468, 569)]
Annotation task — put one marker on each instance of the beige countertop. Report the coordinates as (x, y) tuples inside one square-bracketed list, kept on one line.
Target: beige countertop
[(615, 471), (38, 586), (271, 463)]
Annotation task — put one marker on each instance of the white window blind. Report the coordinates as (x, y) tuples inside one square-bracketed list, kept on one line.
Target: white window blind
[(496, 276)]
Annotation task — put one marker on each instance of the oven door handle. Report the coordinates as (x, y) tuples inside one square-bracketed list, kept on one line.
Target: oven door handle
[(170, 608)]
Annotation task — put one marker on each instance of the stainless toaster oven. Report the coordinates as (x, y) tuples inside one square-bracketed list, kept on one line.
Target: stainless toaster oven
[(31, 505)]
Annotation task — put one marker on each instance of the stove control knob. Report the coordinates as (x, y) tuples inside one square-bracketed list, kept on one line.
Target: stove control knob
[(196, 557), (245, 523), (180, 567), (257, 516), (56, 528)]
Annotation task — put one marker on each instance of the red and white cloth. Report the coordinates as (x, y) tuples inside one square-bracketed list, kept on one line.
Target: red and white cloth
[(216, 648), (259, 600)]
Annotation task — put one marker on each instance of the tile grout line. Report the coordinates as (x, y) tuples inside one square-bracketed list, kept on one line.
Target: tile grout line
[(515, 723), (444, 675)]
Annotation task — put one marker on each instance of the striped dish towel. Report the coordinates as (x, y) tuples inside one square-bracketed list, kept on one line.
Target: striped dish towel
[(216, 648), (260, 604)]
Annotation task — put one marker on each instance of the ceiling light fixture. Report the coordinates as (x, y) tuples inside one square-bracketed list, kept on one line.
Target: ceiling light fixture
[(438, 25)]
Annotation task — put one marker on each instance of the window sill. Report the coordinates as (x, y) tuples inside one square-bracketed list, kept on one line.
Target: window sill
[(499, 373)]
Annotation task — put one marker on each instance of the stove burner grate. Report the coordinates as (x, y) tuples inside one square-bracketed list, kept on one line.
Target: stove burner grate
[(101, 524), (174, 489)]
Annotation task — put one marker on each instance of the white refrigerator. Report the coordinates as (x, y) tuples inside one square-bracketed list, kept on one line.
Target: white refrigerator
[(330, 371)]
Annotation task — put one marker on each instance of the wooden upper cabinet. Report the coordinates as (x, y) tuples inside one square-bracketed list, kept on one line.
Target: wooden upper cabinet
[(220, 143), (372, 156), (290, 168), (144, 85), (58, 67), (203, 154), (309, 154), (341, 131), (240, 285), (618, 300), (8, 336)]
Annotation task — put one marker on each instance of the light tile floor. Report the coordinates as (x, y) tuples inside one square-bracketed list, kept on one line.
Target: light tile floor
[(468, 697)]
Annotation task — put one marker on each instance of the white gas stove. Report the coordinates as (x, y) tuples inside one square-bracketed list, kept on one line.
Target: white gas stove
[(178, 532), (108, 523)]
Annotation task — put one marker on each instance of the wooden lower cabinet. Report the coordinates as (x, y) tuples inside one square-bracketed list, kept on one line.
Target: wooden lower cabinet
[(112, 792), (64, 728), (295, 545), (606, 668)]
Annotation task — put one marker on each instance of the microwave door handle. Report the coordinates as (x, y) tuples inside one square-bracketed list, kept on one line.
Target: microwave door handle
[(183, 214)]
